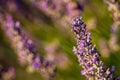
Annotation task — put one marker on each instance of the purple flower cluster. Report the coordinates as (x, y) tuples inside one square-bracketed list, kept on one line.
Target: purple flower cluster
[(65, 9), (24, 48), (51, 7), (114, 8), (89, 57)]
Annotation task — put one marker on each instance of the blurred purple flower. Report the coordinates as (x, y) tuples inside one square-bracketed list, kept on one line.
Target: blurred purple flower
[(114, 8), (24, 48)]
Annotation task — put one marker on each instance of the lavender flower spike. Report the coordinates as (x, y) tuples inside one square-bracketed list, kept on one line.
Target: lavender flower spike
[(89, 58), (24, 49)]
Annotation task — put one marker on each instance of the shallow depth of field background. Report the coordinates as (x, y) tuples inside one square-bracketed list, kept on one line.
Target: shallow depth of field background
[(46, 32)]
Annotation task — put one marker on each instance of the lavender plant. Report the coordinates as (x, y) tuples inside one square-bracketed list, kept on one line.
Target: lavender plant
[(88, 56), (65, 9), (24, 49), (113, 6)]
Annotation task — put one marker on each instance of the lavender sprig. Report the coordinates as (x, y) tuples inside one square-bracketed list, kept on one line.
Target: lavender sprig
[(62, 7), (114, 8), (89, 57), (65, 9), (25, 51)]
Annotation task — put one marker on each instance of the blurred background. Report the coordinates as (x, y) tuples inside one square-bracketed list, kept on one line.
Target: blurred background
[(48, 24)]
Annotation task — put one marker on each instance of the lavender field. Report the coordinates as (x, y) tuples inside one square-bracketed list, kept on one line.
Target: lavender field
[(59, 40)]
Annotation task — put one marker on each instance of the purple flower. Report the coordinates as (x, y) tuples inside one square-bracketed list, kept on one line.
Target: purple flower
[(88, 55), (95, 60), (10, 22), (17, 27), (24, 48), (36, 65), (83, 72), (30, 45), (113, 69)]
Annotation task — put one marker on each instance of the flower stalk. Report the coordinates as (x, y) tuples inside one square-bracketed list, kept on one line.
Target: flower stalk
[(24, 49), (88, 56), (114, 8)]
